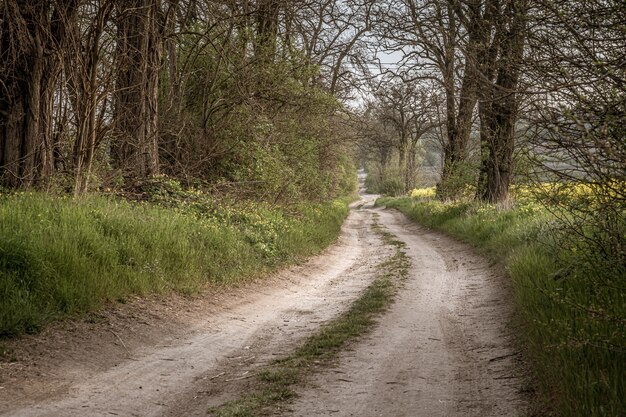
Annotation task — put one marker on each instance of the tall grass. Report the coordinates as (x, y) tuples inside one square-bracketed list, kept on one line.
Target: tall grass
[(59, 256), (575, 320)]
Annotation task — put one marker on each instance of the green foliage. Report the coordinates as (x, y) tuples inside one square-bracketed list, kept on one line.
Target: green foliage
[(458, 180), (391, 186), (574, 315), (384, 180), (59, 256), (343, 178), (290, 155), (262, 129)]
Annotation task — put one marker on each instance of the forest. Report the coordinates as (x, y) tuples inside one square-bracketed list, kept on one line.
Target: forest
[(204, 141), (103, 94)]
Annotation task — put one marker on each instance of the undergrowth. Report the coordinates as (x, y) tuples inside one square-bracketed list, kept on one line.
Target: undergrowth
[(574, 314), (60, 256)]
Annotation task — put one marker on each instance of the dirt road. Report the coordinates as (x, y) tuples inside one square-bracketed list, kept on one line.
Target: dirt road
[(443, 349)]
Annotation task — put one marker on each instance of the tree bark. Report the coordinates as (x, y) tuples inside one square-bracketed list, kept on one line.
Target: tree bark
[(499, 109), (459, 118), (409, 175), (33, 36), (134, 149), (267, 30)]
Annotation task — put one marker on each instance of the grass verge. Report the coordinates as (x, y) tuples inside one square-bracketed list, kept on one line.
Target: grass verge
[(275, 383), (60, 256), (574, 318)]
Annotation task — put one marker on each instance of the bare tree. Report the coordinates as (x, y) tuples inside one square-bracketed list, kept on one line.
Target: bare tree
[(89, 86), (409, 110), (440, 41), (332, 35)]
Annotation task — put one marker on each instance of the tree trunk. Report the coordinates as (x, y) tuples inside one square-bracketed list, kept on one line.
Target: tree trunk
[(173, 120), (267, 30), (140, 48), (409, 175), (402, 145), (32, 40), (82, 70), (401, 156), (444, 187), (459, 120), (155, 59), (499, 111), (459, 130)]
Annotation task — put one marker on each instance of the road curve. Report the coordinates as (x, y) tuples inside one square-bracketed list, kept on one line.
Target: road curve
[(445, 348), (178, 376)]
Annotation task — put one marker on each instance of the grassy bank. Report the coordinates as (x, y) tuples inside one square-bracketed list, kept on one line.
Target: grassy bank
[(574, 317), (60, 257)]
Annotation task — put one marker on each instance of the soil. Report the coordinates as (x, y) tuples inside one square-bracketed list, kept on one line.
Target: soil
[(445, 348)]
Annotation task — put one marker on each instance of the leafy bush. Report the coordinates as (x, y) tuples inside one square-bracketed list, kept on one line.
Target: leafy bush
[(385, 181), (264, 130)]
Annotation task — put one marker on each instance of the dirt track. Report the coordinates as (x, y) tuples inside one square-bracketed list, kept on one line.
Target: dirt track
[(443, 349)]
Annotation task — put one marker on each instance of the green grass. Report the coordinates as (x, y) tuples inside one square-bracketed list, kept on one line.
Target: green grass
[(574, 313), (61, 257), (274, 383)]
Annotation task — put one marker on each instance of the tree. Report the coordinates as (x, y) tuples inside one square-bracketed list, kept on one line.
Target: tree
[(332, 36), (140, 29), (87, 86), (501, 69), (397, 118), (440, 41), (32, 37), (473, 49), (376, 142), (267, 12)]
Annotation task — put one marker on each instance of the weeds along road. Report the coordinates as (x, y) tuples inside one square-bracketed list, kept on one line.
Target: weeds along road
[(443, 348)]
